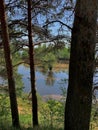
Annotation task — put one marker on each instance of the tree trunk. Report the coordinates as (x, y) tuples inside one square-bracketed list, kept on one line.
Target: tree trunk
[(11, 83), (32, 69), (81, 68)]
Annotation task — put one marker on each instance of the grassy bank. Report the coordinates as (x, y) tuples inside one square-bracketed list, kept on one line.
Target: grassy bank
[(51, 114)]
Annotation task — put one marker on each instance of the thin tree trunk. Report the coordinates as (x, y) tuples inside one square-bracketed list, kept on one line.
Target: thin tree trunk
[(81, 68), (11, 83), (32, 68)]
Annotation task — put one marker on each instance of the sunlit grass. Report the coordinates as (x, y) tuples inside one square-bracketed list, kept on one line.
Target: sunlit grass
[(50, 113)]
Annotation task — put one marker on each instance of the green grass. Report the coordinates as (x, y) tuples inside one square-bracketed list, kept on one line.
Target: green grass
[(29, 128), (51, 115)]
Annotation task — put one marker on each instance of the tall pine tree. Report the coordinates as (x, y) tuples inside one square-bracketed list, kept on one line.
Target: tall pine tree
[(11, 83), (81, 68)]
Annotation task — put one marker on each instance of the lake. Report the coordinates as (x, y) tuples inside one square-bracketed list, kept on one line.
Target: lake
[(48, 83)]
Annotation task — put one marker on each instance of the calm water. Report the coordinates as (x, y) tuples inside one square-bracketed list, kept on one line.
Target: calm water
[(46, 83)]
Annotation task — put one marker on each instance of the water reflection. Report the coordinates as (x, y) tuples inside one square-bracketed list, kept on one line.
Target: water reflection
[(46, 83), (50, 78)]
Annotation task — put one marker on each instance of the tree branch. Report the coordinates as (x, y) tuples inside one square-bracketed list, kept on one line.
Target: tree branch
[(58, 21)]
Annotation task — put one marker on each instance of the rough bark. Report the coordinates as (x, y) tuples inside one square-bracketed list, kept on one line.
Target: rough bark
[(81, 68), (11, 83), (32, 68)]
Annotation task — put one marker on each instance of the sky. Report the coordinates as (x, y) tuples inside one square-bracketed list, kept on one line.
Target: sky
[(41, 19)]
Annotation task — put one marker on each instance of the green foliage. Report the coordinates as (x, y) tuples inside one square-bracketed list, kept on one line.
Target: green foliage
[(52, 114), (63, 53), (94, 116), (47, 56), (9, 127), (4, 107), (48, 112), (24, 54), (16, 58), (48, 60), (50, 53), (19, 84), (25, 120)]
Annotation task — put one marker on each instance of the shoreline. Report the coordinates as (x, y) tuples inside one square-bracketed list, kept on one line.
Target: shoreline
[(56, 97)]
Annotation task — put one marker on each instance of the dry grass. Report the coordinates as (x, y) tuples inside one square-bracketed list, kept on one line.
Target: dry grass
[(60, 67)]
